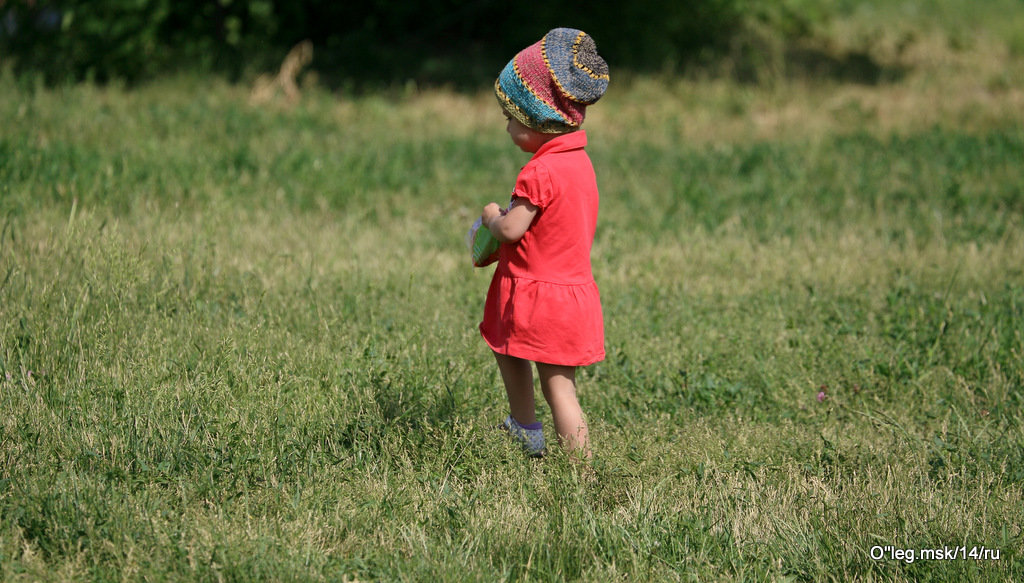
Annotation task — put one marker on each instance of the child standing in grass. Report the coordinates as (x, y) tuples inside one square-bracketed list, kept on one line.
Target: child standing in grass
[(543, 304)]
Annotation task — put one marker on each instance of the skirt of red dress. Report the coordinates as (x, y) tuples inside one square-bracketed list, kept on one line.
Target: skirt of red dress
[(544, 322)]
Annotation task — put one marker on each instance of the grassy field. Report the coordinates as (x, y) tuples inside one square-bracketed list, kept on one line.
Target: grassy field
[(239, 342)]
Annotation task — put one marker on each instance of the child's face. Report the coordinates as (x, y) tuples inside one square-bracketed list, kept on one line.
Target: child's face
[(528, 140)]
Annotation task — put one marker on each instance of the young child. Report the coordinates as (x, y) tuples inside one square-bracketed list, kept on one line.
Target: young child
[(543, 304)]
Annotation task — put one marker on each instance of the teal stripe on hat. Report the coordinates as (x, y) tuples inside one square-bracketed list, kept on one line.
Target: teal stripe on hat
[(520, 95)]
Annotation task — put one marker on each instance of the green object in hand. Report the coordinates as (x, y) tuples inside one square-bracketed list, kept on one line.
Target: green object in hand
[(482, 244)]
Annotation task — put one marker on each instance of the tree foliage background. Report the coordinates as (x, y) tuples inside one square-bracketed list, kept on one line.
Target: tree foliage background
[(364, 43)]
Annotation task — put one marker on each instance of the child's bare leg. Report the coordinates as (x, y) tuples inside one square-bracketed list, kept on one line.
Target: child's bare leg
[(559, 385), (518, 377)]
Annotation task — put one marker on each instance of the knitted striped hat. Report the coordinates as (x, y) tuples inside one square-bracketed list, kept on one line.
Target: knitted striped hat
[(549, 84)]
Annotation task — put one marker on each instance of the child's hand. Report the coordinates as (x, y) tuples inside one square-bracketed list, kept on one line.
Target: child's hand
[(491, 211), (509, 226)]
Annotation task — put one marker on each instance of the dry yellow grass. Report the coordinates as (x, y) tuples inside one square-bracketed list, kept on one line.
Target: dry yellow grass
[(977, 86)]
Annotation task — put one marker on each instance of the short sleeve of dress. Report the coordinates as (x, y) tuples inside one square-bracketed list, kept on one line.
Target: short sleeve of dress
[(534, 184)]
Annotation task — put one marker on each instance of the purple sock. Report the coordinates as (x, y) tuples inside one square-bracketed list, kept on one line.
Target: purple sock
[(531, 426)]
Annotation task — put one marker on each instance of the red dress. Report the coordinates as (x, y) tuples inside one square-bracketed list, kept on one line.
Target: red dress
[(543, 304)]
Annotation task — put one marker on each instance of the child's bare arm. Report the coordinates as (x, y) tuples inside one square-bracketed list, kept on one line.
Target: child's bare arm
[(512, 225)]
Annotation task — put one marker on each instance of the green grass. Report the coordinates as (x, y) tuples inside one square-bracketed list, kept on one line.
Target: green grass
[(240, 343)]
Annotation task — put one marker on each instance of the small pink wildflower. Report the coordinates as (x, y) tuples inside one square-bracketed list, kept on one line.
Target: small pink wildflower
[(821, 393)]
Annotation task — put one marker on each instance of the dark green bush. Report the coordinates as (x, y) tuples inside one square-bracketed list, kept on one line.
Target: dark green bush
[(131, 40), (445, 42)]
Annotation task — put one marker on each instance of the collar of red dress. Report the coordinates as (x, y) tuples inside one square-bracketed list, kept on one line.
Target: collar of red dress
[(563, 143)]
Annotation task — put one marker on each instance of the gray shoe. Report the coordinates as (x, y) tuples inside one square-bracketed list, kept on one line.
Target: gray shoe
[(532, 440)]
